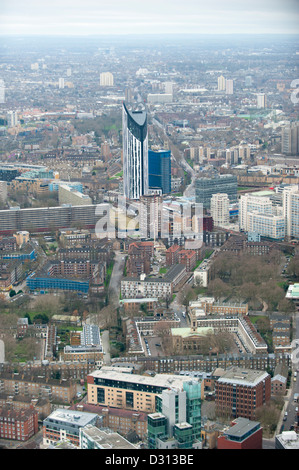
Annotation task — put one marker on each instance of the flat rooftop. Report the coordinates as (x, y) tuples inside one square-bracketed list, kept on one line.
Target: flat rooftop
[(107, 439), (159, 380), (241, 428), (239, 376)]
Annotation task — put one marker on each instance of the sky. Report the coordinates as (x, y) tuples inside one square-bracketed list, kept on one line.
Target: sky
[(90, 17)]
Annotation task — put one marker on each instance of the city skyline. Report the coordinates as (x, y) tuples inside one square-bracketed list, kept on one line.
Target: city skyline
[(131, 17)]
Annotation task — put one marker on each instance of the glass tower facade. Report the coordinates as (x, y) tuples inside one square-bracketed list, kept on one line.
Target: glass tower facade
[(135, 153), (159, 170), (206, 187)]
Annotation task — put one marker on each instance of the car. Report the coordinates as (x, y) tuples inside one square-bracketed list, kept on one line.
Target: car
[(284, 418)]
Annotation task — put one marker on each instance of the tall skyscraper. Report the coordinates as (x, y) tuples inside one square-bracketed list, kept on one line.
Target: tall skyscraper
[(12, 118), (159, 170), (229, 87), (135, 153), (221, 83), (220, 209), (261, 100), (61, 83), (290, 139)]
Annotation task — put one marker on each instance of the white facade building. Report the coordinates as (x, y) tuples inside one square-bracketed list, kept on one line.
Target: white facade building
[(135, 153), (106, 79), (220, 209)]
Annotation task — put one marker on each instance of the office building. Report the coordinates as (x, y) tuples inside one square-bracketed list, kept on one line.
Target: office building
[(220, 209), (177, 420), (242, 434), (64, 424), (106, 79), (240, 392), (205, 187), (159, 170), (92, 437), (135, 153)]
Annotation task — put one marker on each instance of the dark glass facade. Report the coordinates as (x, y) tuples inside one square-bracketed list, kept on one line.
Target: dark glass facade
[(159, 170)]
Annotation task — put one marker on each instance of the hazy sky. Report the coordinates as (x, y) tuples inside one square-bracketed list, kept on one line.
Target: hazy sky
[(76, 17)]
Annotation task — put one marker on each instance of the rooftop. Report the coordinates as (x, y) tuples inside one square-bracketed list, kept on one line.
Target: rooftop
[(239, 376)]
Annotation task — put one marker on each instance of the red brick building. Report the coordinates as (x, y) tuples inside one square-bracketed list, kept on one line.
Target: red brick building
[(240, 392), (188, 258), (172, 255), (18, 425), (243, 434), (139, 258)]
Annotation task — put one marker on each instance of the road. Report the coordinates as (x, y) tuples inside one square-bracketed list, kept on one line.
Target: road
[(117, 273)]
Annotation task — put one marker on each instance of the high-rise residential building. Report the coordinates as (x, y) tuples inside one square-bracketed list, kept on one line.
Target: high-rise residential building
[(290, 139), (205, 187), (291, 211), (135, 153), (221, 83), (168, 86), (220, 209), (150, 213), (2, 92), (159, 170), (229, 87), (12, 118), (106, 79), (61, 83), (3, 191), (261, 100)]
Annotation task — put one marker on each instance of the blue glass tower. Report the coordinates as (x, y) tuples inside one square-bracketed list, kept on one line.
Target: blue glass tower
[(159, 170)]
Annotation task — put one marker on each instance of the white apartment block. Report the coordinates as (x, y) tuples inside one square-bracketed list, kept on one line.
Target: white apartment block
[(249, 203), (220, 209), (3, 191), (106, 79), (267, 225)]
